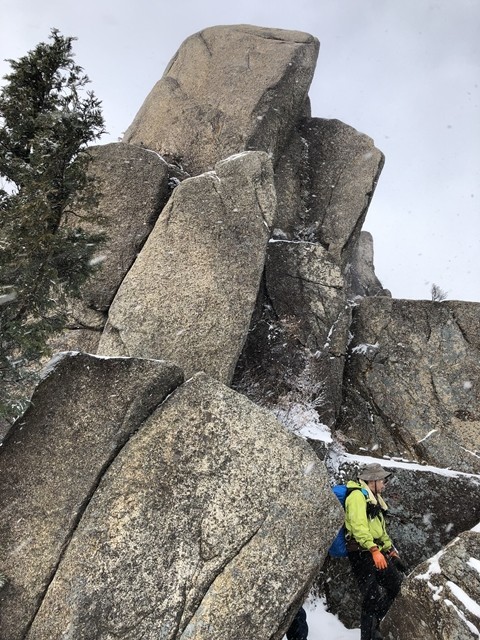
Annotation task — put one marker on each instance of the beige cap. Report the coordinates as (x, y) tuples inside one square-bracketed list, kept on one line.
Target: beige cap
[(373, 471)]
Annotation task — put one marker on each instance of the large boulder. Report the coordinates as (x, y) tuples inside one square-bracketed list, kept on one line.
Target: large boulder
[(226, 90), (347, 167), (210, 524), (441, 599), (412, 381), (53, 458), (190, 295), (133, 184)]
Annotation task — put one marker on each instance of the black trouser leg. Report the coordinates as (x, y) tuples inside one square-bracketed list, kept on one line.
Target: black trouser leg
[(379, 588), (368, 624), (298, 630), (391, 581)]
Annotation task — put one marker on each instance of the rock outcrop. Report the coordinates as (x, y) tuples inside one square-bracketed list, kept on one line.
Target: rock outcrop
[(190, 295), (439, 600), (210, 509), (81, 415), (133, 186), (136, 505), (412, 380), (297, 345), (134, 189), (227, 89), (344, 166), (362, 277)]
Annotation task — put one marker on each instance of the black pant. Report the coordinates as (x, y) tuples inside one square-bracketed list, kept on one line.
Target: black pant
[(379, 588), (298, 630)]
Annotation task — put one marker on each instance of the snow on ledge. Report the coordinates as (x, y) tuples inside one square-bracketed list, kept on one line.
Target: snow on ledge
[(50, 367), (411, 466)]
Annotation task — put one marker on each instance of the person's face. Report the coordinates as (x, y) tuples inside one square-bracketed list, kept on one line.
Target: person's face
[(377, 486)]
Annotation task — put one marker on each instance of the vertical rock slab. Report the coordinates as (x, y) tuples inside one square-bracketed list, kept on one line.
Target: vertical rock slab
[(346, 166), (133, 187), (325, 179), (133, 184), (190, 295), (362, 280), (81, 415), (210, 524), (441, 598), (242, 86), (412, 381)]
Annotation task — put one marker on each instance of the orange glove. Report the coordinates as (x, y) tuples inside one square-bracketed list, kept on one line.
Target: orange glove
[(378, 558)]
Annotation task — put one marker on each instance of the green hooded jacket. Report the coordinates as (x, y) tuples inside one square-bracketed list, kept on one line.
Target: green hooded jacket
[(367, 532)]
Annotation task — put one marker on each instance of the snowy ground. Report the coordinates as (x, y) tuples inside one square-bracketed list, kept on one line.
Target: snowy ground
[(322, 625)]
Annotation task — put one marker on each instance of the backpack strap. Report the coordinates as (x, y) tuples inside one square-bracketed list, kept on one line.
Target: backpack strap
[(373, 510), (351, 489)]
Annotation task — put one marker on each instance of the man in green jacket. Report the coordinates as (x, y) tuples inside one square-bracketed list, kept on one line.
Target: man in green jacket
[(373, 558)]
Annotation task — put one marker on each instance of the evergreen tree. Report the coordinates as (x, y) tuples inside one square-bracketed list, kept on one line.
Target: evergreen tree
[(47, 121)]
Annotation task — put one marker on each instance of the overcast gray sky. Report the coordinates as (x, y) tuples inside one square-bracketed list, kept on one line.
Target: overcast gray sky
[(405, 72)]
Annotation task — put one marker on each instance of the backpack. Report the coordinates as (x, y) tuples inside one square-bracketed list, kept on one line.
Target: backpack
[(338, 548)]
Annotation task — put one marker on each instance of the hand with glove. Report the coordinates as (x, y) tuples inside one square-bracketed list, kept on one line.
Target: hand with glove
[(378, 558), (392, 555)]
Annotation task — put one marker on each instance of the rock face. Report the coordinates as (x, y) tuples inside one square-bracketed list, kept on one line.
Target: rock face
[(297, 344), (362, 278), (136, 506), (440, 598), (242, 86), (296, 347), (176, 540), (52, 460), (412, 381), (346, 167), (325, 180), (134, 188), (190, 295)]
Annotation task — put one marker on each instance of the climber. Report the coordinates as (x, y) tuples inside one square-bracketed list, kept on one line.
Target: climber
[(298, 630), (373, 558)]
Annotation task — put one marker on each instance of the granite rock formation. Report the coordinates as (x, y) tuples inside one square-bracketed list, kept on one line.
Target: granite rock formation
[(53, 458), (412, 381), (440, 598), (227, 89), (211, 507), (135, 504), (190, 295)]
